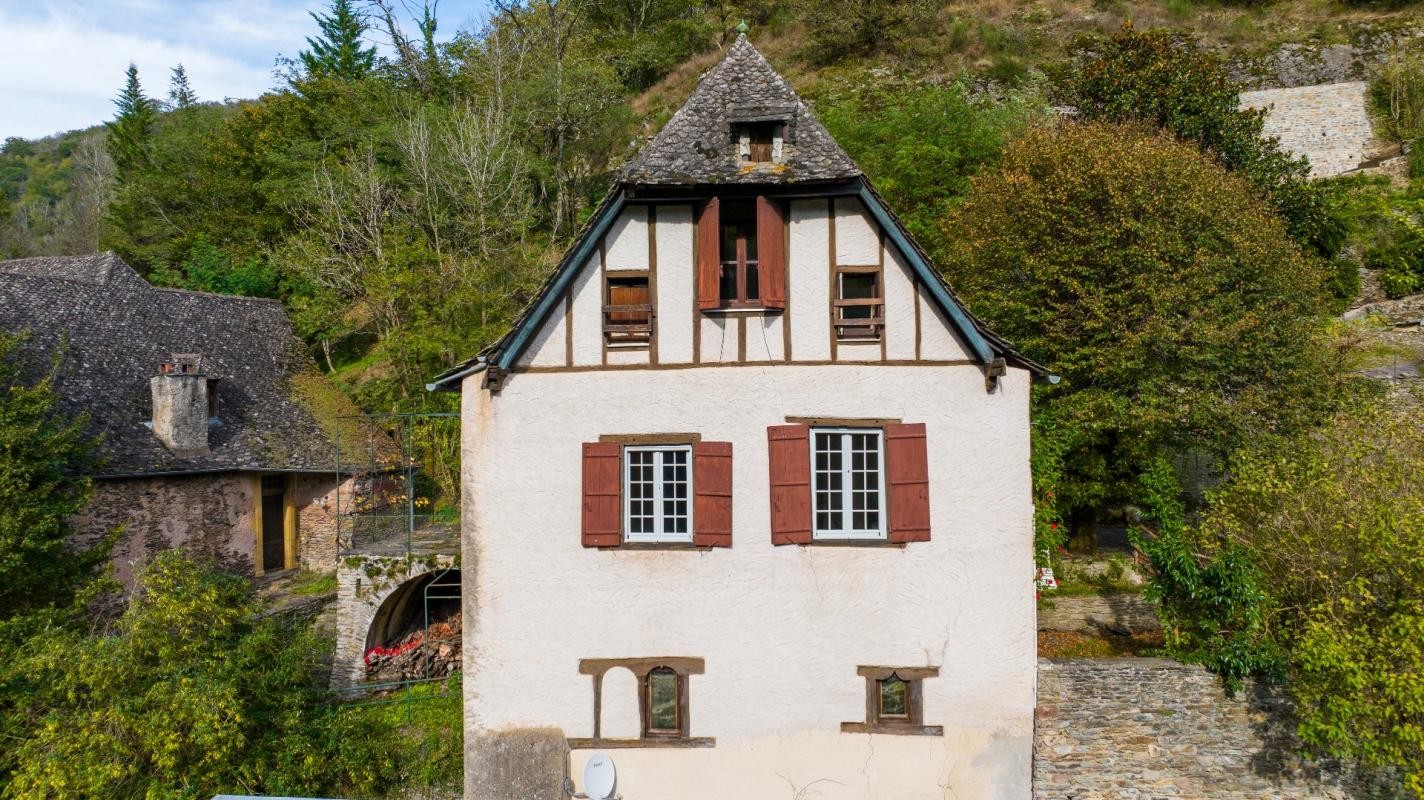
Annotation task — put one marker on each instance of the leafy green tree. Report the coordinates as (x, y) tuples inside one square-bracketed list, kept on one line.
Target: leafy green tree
[(841, 28), (647, 40), (1314, 552), (194, 692), (338, 52), (921, 143), (1157, 284), (132, 128), (208, 268), (180, 92), (43, 456), (1165, 79)]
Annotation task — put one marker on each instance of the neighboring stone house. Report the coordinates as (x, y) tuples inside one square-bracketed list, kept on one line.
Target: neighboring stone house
[(747, 492), (216, 432)]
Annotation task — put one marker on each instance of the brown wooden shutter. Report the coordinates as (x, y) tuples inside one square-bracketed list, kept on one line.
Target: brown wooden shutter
[(789, 459), (907, 476), (771, 252), (602, 494), (712, 494), (709, 255)]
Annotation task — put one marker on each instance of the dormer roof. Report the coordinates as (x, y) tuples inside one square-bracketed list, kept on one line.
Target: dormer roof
[(699, 144)]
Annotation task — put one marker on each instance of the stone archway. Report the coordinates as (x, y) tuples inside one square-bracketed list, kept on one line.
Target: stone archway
[(376, 598)]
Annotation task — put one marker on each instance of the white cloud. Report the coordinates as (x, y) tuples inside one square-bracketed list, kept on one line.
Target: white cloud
[(62, 68), (62, 61)]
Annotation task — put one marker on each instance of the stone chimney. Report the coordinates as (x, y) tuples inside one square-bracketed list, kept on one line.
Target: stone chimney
[(180, 405)]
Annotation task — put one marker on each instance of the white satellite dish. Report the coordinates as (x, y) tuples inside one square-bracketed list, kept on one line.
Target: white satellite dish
[(599, 777)]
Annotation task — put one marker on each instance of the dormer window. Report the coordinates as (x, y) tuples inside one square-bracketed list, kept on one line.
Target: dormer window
[(759, 142)]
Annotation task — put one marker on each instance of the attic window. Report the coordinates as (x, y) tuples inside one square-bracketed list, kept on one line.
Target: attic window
[(759, 142), (628, 311), (894, 702)]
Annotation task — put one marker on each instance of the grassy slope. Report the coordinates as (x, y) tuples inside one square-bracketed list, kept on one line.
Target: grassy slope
[(971, 37)]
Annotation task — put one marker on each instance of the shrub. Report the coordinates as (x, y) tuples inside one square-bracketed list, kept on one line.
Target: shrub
[(920, 143), (194, 692), (1388, 225), (1319, 541), (1167, 80), (1397, 96), (841, 28), (1156, 283)]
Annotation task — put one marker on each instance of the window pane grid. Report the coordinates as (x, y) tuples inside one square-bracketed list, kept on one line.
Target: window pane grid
[(847, 488), (657, 492)]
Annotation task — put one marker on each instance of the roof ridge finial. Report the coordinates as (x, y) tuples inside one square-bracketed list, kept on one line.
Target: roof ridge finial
[(743, 27)]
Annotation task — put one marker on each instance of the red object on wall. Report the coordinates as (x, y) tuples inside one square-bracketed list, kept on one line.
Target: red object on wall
[(771, 252), (907, 475), (602, 494), (709, 255), (712, 494), (789, 461)]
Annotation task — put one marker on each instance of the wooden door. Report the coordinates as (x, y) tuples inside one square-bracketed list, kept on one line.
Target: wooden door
[(274, 523)]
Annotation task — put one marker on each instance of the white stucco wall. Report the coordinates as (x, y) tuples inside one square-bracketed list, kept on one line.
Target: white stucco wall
[(782, 629), (587, 320), (626, 242), (676, 283)]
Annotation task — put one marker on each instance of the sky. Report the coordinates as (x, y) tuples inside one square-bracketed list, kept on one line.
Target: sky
[(63, 61)]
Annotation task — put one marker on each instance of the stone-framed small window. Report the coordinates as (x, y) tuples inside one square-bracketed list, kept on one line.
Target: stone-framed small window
[(664, 695), (664, 703), (894, 702), (759, 142)]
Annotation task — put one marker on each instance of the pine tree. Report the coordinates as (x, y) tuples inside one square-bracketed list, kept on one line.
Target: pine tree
[(180, 93), (132, 127), (337, 52)]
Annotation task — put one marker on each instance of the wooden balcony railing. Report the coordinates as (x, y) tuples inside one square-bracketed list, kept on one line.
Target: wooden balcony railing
[(628, 324), (866, 328)]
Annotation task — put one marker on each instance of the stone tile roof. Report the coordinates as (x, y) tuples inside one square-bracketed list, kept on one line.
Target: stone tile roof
[(697, 145), (113, 329)]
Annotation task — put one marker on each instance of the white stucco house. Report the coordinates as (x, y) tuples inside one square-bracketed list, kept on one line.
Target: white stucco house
[(747, 495)]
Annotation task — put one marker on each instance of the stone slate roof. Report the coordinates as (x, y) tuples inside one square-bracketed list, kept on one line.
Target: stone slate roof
[(113, 329), (697, 147)]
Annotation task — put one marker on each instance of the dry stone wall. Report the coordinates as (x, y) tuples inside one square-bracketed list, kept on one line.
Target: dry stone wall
[(1120, 614), (208, 514), (316, 497), (1148, 728), (1328, 124)]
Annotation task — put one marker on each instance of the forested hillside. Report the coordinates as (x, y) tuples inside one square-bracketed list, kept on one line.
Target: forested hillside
[(405, 207)]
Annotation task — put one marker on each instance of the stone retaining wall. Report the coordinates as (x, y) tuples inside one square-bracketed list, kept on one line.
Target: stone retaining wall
[(1149, 728), (1120, 614), (1328, 123)]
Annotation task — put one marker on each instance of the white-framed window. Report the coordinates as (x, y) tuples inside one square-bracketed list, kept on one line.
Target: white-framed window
[(848, 483), (657, 492)]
